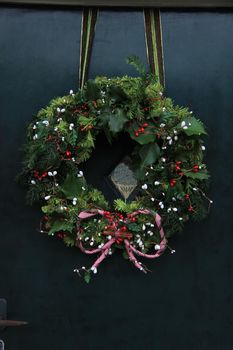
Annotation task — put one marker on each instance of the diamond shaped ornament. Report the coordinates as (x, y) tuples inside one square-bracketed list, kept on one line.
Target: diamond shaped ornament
[(123, 178)]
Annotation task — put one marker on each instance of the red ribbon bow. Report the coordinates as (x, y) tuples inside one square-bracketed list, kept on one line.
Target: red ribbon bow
[(119, 235)]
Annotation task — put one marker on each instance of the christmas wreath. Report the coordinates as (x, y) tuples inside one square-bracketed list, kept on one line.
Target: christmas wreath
[(167, 161)]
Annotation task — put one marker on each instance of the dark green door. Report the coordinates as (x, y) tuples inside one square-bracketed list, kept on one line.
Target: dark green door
[(186, 303)]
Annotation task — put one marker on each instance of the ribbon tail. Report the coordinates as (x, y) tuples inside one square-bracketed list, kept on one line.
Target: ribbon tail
[(132, 258), (150, 256), (103, 255)]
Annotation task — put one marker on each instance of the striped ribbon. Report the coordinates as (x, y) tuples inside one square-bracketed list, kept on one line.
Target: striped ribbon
[(154, 47), (89, 18), (153, 35)]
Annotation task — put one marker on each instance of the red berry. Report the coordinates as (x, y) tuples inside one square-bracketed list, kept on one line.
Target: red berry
[(68, 153), (195, 168), (136, 134), (190, 208), (133, 219), (145, 125), (142, 129), (187, 196), (172, 182)]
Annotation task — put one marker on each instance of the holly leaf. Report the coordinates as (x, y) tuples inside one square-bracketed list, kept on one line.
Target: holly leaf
[(201, 175), (117, 120), (149, 154), (72, 186), (195, 126), (61, 226)]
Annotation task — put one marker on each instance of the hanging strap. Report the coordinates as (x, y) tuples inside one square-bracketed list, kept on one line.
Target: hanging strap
[(154, 47), (89, 18), (153, 34)]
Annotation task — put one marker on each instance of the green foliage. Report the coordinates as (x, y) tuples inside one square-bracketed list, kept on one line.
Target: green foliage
[(61, 226), (122, 206), (201, 175), (69, 241), (97, 198), (137, 64), (72, 138), (153, 90), (92, 91)]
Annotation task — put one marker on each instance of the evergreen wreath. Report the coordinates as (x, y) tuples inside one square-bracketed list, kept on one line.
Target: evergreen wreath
[(167, 160)]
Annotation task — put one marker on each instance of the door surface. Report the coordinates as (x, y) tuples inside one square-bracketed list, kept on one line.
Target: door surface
[(186, 302)]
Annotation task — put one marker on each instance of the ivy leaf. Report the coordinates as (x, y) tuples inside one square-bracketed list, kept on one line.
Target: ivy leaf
[(195, 126), (201, 175), (72, 186), (149, 154), (61, 226), (92, 90), (117, 120)]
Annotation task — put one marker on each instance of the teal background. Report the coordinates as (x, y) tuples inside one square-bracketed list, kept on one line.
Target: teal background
[(186, 302)]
